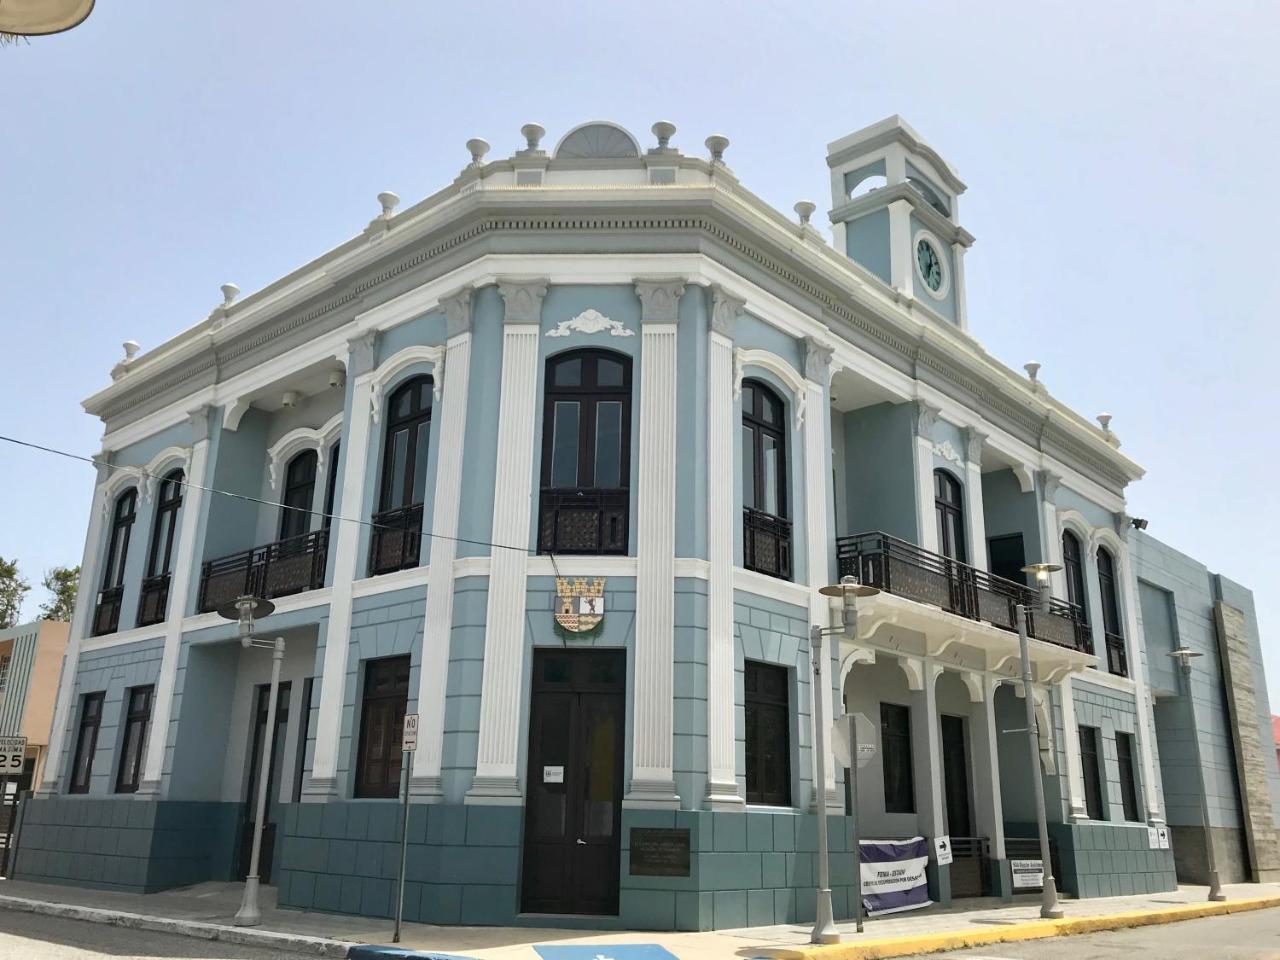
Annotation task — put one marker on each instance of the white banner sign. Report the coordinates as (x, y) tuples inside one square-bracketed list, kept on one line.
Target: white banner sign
[(1027, 874)]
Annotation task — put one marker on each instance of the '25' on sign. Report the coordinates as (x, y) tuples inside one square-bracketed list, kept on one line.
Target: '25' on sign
[(11, 752)]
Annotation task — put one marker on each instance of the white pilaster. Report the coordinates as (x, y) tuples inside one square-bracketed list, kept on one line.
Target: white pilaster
[(927, 746), (438, 621), (497, 779), (901, 269), (957, 280), (722, 783), (986, 766), (1144, 726), (652, 752), (183, 576), (926, 522), (1050, 532), (818, 533), (324, 767), (1071, 738), (975, 514), (86, 597)]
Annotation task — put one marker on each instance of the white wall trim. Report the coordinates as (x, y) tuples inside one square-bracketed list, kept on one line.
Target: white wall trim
[(771, 588), (744, 357), (164, 461), (387, 582), (295, 441), (397, 363)]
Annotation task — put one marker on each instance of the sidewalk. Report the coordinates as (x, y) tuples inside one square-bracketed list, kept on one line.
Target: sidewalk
[(206, 910)]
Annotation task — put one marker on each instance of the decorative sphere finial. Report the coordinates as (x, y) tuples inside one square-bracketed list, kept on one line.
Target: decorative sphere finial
[(717, 144), (478, 147)]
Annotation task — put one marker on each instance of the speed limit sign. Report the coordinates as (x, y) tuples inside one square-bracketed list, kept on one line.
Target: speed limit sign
[(12, 750)]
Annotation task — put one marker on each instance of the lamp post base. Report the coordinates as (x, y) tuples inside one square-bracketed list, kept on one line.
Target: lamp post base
[(824, 924), (1049, 908), (1215, 887), (249, 915)]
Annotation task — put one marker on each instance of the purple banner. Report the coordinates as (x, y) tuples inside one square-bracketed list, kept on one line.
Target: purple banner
[(893, 875)]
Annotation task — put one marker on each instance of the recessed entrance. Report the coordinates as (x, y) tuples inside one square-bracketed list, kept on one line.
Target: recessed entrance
[(572, 832), (262, 699)]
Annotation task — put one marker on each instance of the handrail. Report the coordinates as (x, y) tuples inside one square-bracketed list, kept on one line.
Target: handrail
[(583, 520), (1117, 655), (270, 570), (766, 543), (396, 541)]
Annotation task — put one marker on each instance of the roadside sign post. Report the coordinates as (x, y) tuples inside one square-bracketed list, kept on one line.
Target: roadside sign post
[(408, 744)]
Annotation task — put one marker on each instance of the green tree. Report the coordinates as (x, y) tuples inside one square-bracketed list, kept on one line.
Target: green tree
[(13, 589), (61, 582)]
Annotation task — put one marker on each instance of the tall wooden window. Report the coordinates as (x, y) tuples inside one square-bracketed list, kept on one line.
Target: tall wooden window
[(397, 535), (766, 531), (299, 494), (1128, 778), (895, 757), (86, 742), (135, 734), (1090, 764), (153, 597), (106, 616), (768, 717), (1072, 562), (1107, 584), (948, 506), (585, 498), (386, 695)]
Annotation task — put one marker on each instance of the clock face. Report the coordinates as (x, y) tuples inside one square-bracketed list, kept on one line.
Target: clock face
[(930, 265)]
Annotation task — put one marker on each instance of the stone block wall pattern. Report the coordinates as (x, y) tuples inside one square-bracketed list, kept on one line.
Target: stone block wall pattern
[(1110, 860)]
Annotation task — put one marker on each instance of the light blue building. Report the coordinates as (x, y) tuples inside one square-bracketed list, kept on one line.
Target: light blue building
[(557, 459)]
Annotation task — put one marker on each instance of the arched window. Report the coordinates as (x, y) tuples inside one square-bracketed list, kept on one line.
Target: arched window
[(397, 538), (766, 532), (299, 493), (586, 453), (106, 617), (1072, 562), (948, 506), (153, 599), (1117, 661)]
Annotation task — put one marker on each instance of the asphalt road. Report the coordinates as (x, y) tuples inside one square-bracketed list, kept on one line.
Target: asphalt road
[(1242, 936), (30, 936)]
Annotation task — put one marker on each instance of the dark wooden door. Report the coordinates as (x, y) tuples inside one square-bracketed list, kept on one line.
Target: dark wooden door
[(262, 697), (573, 812), (1007, 557), (955, 767)]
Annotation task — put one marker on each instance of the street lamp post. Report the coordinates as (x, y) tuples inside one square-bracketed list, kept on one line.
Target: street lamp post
[(848, 589), (243, 610), (1049, 908), (1184, 656)]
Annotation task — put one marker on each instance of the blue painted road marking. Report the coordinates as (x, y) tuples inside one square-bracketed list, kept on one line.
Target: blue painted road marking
[(371, 951), (603, 951)]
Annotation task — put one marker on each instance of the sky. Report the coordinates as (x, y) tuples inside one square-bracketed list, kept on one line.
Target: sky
[(1116, 157)]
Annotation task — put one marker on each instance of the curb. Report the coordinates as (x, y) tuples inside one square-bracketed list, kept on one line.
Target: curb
[(1031, 930), (295, 942)]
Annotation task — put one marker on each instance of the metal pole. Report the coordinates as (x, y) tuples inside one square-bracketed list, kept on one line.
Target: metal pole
[(1215, 887), (857, 833), (824, 927), (1049, 908), (404, 848), (249, 915)]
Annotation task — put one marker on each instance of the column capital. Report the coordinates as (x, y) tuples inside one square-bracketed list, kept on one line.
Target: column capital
[(362, 353), (724, 311), (817, 362), (1051, 482), (523, 298), (659, 298), (926, 418), (457, 311), (198, 420), (974, 441)]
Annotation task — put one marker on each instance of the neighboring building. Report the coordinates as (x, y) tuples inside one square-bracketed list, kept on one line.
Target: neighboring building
[(607, 422), (30, 660)]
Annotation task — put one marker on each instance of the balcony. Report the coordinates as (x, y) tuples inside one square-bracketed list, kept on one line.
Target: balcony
[(583, 520), (153, 601), (1117, 659), (106, 615), (766, 543), (274, 570), (905, 570), (396, 543)]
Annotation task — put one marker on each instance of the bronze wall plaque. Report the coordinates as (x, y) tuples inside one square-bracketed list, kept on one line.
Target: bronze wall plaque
[(659, 852)]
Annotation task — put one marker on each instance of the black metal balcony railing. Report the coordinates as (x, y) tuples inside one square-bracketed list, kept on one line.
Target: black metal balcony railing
[(106, 614), (583, 520), (274, 570), (905, 570), (1117, 658), (153, 601), (396, 543), (766, 543)]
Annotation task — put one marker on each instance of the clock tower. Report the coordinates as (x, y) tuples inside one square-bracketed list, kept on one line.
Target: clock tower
[(894, 211)]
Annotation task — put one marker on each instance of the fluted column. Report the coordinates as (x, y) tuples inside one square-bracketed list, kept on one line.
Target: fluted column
[(652, 780), (497, 779), (185, 566), (818, 532), (86, 596), (926, 417), (975, 513), (722, 781), (438, 621), (333, 678)]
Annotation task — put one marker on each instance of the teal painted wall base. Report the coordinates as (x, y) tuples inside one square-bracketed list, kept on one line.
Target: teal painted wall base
[(127, 844), (1110, 860)]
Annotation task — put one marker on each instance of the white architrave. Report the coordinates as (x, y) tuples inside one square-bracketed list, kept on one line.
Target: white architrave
[(396, 364), (975, 513), (167, 459), (926, 417), (324, 766), (438, 622), (744, 357), (817, 444), (297, 440), (722, 783), (496, 778), (183, 576), (652, 753)]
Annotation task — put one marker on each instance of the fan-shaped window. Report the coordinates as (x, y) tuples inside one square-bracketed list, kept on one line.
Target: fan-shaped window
[(397, 534), (299, 491), (948, 504), (586, 453), (1073, 564), (598, 141), (766, 532), (106, 617), (153, 598)]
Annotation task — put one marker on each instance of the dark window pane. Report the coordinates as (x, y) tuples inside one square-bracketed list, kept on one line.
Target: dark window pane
[(1128, 778), (895, 753), (609, 373), (421, 445), (609, 443), (399, 460), (768, 743), (770, 474), (568, 373), (748, 466), (86, 742), (1089, 762), (564, 444), (386, 695)]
